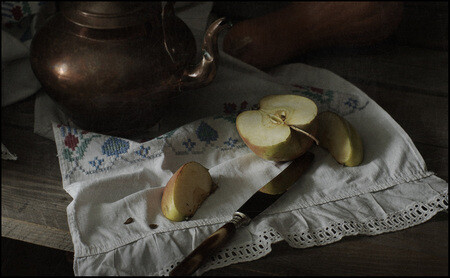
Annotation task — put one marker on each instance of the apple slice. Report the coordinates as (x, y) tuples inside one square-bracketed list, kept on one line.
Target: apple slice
[(340, 138), (282, 129), (185, 191)]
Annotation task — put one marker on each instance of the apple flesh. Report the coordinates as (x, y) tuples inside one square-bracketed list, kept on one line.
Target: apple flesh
[(185, 191), (340, 138), (282, 129)]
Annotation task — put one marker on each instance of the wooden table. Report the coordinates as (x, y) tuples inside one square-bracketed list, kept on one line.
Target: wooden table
[(410, 83)]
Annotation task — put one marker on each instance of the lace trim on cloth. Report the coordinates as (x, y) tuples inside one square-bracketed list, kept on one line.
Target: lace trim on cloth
[(415, 214)]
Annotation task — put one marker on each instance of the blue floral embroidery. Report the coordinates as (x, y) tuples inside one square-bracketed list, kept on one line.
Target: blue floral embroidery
[(115, 146), (206, 133), (230, 142), (189, 144), (352, 103), (339, 102), (143, 151), (96, 162)]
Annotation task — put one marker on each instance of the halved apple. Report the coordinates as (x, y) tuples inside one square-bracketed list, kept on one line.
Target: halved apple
[(185, 191), (340, 138), (282, 129)]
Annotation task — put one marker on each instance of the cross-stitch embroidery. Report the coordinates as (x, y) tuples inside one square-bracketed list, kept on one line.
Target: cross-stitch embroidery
[(75, 143), (115, 146), (217, 133), (189, 144), (341, 103), (206, 133)]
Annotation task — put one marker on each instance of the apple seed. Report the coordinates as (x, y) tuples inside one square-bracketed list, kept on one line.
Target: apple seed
[(128, 221)]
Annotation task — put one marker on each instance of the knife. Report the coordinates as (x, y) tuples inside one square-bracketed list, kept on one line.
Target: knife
[(257, 203)]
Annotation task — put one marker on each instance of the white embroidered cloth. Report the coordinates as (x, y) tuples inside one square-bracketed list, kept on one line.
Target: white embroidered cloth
[(112, 179)]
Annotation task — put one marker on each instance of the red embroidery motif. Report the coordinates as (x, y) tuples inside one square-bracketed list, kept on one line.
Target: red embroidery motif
[(298, 86), (71, 141), (243, 105), (230, 108), (17, 13), (317, 90)]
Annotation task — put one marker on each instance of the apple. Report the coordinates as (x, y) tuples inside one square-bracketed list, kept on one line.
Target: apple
[(282, 129), (340, 138), (185, 191)]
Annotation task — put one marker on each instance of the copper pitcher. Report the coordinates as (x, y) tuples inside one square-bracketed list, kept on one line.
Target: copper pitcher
[(112, 67)]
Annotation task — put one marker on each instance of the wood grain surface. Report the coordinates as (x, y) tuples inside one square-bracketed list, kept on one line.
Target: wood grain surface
[(409, 80), (32, 195)]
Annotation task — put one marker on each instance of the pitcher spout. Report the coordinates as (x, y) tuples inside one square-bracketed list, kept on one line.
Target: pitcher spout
[(204, 72)]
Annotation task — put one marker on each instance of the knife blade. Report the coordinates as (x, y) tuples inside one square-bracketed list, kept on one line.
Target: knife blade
[(257, 203)]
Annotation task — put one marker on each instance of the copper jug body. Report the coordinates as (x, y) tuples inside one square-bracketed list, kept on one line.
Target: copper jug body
[(112, 67)]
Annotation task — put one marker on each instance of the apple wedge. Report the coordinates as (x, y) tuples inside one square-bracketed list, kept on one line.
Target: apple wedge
[(282, 129), (185, 191), (340, 138)]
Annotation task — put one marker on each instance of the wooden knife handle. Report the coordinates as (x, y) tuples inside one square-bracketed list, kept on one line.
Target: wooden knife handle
[(203, 252)]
